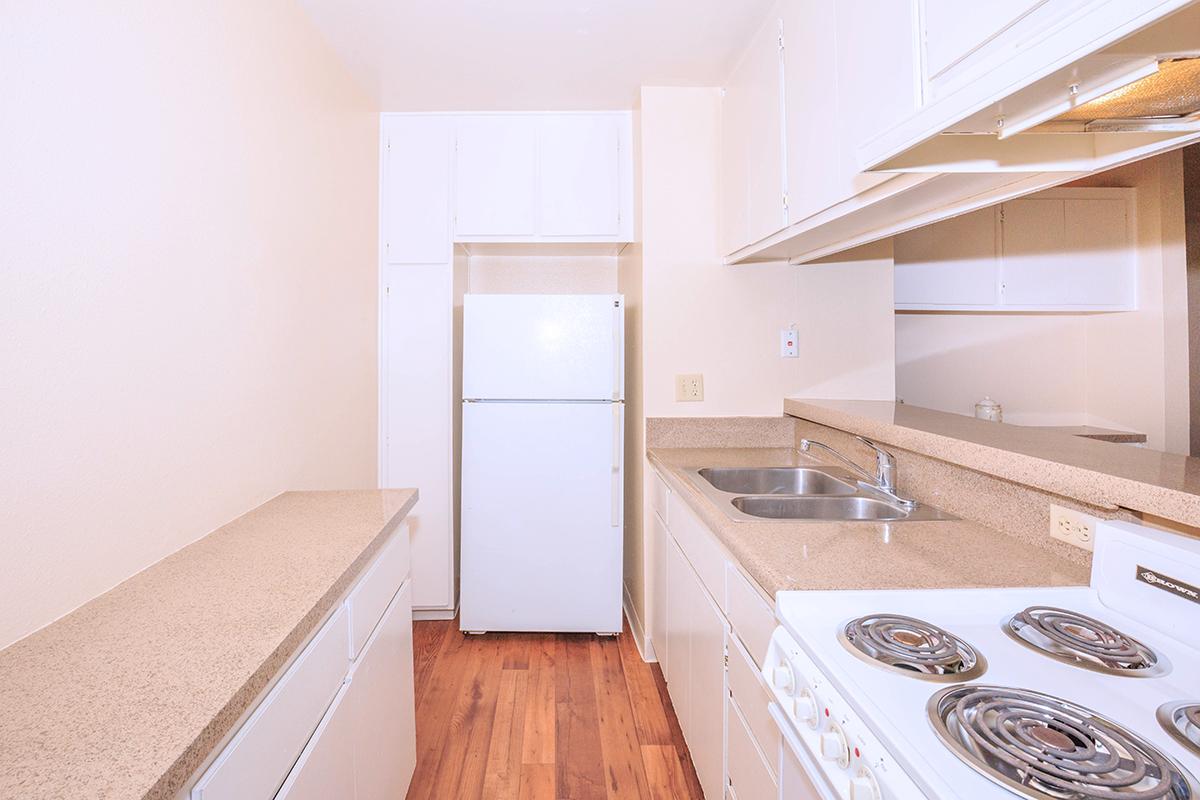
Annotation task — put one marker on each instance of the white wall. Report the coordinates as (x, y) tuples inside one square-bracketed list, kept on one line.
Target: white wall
[(542, 274), (699, 315), (1125, 370), (187, 281)]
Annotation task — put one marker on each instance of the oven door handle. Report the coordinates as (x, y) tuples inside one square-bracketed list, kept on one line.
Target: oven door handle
[(816, 775)]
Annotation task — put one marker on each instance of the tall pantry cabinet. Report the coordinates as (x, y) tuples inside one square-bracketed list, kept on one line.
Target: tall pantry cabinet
[(421, 308), (451, 182)]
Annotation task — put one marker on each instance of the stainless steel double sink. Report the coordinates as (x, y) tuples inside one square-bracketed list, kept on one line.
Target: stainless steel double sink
[(816, 493)]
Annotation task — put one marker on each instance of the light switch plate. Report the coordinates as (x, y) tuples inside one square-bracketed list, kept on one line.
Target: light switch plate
[(689, 388)]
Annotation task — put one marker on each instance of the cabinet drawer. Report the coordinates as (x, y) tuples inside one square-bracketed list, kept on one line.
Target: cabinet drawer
[(379, 584), (700, 547), (326, 767), (745, 684), (749, 775), (258, 758), (752, 617), (660, 495)]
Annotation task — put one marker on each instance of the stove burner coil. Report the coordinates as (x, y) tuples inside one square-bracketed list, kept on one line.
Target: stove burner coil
[(912, 646), (1049, 749), (1182, 721), (1082, 641)]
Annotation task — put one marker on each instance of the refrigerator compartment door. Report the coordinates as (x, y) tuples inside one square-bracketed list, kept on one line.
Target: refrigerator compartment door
[(540, 551), (543, 347)]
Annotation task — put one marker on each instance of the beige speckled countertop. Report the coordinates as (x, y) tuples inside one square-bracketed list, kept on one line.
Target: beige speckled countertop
[(126, 696), (1100, 473), (860, 555)]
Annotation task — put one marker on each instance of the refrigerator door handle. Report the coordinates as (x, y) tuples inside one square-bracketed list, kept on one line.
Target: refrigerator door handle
[(617, 455), (618, 350)]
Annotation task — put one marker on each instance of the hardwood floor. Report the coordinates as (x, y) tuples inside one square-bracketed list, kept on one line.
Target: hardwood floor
[(543, 717)]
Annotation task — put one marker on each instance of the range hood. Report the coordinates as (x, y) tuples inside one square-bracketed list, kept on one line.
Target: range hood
[(1131, 98), (1167, 99)]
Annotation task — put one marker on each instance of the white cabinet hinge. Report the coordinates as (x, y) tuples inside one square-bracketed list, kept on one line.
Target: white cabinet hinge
[(780, 34)]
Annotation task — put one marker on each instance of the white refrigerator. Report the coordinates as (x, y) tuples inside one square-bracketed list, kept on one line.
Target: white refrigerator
[(542, 463)]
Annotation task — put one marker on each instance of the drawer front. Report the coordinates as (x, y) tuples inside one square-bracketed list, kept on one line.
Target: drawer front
[(660, 495), (700, 546), (370, 598), (749, 774), (326, 767), (256, 761), (752, 617), (745, 684)]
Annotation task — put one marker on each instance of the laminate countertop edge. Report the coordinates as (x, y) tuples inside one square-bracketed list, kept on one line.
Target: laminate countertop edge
[(78, 712), (1103, 474)]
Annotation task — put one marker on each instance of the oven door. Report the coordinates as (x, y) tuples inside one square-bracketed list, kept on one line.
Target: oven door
[(799, 777)]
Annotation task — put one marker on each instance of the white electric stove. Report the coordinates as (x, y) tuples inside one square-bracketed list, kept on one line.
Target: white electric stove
[(991, 694)]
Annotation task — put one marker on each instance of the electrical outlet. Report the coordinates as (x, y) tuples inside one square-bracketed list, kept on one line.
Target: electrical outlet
[(689, 388), (1073, 527)]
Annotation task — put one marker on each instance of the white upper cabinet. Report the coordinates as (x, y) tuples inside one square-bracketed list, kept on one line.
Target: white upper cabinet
[(1061, 250), (752, 166), (416, 188), (496, 176), (998, 76), (579, 175), (544, 177)]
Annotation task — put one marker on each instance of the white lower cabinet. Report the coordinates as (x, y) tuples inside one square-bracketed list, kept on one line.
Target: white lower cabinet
[(340, 722), (750, 777), (710, 615), (326, 767), (382, 707)]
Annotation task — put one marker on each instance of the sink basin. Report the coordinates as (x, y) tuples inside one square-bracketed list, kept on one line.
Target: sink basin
[(832, 509), (777, 480), (823, 508)]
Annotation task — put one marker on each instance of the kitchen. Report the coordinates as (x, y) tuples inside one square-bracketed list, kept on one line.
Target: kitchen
[(604, 400)]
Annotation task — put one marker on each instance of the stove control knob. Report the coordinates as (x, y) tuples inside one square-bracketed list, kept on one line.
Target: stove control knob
[(808, 709), (783, 678), (863, 786), (834, 747)]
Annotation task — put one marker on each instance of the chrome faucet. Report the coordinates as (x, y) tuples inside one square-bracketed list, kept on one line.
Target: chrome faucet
[(884, 479)]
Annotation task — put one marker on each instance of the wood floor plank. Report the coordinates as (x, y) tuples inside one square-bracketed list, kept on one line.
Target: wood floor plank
[(653, 724), (665, 775), (579, 756), (502, 777), (538, 739), (543, 717), (537, 782), (624, 774)]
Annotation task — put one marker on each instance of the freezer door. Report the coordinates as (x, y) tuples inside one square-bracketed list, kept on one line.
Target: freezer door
[(542, 517), (543, 347)]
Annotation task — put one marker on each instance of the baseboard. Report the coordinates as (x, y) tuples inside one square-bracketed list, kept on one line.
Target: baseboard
[(644, 645), (425, 614)]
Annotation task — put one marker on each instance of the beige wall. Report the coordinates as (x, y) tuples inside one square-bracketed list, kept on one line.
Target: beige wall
[(542, 274), (1124, 370), (699, 315), (188, 281)]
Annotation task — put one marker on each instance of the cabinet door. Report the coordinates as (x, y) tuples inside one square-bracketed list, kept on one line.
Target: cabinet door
[(381, 701), (495, 176), (953, 28), (579, 165), (752, 143), (706, 717), (1068, 251), (811, 102), (679, 613), (659, 591), (416, 191), (954, 263), (326, 767), (418, 418)]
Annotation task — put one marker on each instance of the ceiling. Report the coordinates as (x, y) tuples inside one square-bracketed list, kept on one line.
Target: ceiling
[(483, 55)]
